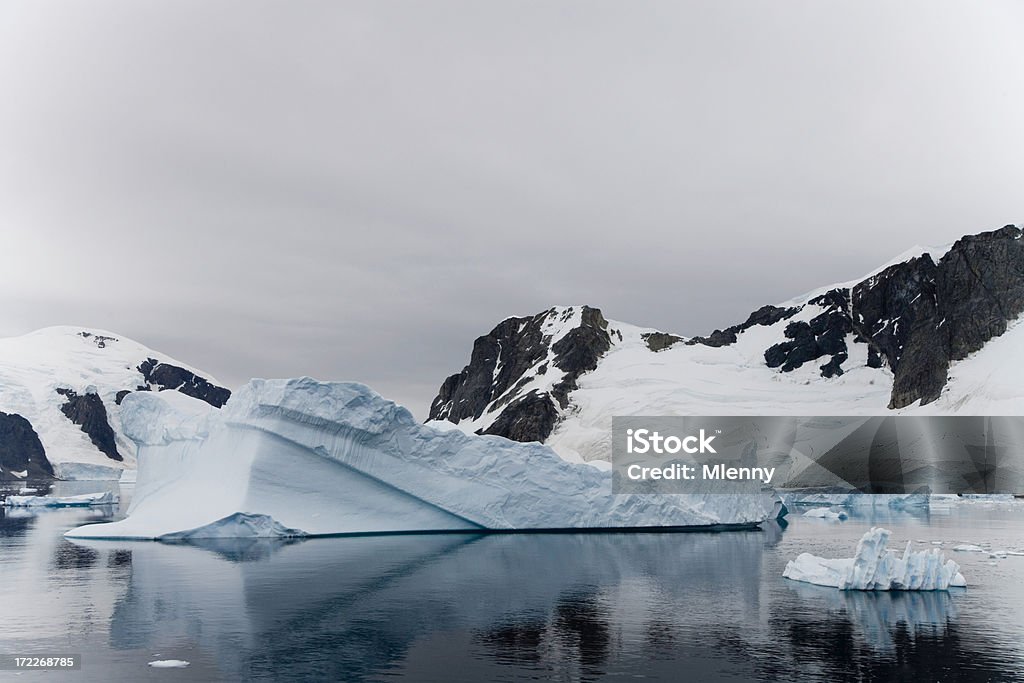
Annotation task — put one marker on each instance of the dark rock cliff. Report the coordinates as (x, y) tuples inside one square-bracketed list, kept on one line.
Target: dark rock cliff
[(499, 368), (921, 315), (166, 376), (21, 450), (88, 412)]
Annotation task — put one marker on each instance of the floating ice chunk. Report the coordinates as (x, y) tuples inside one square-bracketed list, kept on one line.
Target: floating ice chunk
[(169, 664), (969, 548), (897, 501), (26, 490), (825, 513), (238, 525), (84, 500), (874, 567)]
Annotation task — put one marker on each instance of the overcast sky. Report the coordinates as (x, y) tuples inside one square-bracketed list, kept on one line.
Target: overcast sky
[(356, 190)]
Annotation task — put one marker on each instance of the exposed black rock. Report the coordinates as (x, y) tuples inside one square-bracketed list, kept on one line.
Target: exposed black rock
[(981, 288), (165, 376), (896, 311), (503, 362), (529, 418), (578, 351), (119, 396), (921, 315), (766, 315), (88, 412), (658, 341), (99, 339), (21, 450), (834, 367), (824, 335), (517, 342)]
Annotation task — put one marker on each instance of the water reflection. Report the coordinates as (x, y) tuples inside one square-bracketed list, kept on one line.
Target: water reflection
[(69, 556), (859, 635), (574, 607), (14, 525), (877, 617)]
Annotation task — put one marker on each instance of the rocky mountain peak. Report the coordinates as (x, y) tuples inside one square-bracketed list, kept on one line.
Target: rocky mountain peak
[(523, 370), (913, 319)]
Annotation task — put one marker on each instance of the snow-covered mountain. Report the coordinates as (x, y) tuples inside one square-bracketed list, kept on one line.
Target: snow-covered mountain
[(60, 395), (933, 331)]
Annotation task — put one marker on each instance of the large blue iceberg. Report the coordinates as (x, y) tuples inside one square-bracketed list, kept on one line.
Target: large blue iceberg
[(323, 458)]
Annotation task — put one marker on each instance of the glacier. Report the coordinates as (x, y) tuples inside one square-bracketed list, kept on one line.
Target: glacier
[(875, 567), (83, 471), (326, 458)]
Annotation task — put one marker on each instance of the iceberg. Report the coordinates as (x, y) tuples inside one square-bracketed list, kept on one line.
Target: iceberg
[(855, 499), (84, 500), (969, 548), (238, 525), (874, 567), (825, 513), (336, 458)]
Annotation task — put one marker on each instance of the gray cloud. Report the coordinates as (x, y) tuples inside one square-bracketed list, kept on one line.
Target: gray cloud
[(356, 190)]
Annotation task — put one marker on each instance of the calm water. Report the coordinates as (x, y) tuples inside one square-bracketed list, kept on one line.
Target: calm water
[(561, 607)]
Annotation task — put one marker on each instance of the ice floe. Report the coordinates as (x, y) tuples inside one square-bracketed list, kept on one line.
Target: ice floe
[(83, 500), (875, 567), (826, 513)]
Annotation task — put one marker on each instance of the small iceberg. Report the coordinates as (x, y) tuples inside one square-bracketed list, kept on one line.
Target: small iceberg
[(238, 525), (84, 500), (825, 513), (169, 664), (875, 567)]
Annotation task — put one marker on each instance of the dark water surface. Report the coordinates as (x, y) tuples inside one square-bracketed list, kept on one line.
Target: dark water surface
[(566, 607)]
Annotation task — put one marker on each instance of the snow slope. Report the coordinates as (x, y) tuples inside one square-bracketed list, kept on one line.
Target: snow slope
[(331, 458), (733, 380), (35, 366)]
